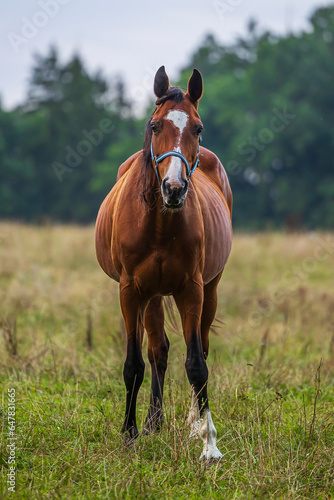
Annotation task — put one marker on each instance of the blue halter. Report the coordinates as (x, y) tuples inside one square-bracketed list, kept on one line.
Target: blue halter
[(157, 159)]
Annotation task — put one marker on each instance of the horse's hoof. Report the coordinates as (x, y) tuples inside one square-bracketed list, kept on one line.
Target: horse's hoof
[(153, 424), (211, 455), (213, 461), (152, 428)]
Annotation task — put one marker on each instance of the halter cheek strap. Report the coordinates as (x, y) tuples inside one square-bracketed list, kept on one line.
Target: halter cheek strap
[(157, 159)]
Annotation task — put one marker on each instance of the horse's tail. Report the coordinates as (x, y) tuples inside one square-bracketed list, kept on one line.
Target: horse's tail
[(173, 325)]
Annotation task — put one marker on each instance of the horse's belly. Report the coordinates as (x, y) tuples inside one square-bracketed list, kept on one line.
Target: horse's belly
[(218, 239)]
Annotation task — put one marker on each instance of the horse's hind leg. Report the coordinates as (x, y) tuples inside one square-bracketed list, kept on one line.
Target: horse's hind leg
[(208, 312), (134, 365), (158, 346)]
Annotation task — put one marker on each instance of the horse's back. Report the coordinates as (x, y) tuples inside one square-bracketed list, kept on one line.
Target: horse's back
[(127, 164), (211, 166)]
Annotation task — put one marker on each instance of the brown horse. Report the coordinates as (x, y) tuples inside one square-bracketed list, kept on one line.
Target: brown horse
[(165, 229)]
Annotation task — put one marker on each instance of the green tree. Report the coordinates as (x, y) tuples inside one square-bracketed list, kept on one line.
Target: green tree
[(267, 111)]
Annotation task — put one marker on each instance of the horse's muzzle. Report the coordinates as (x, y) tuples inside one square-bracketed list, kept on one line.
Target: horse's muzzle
[(174, 197)]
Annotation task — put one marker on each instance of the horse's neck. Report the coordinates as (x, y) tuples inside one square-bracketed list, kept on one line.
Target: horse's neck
[(157, 215), (149, 190), (165, 223)]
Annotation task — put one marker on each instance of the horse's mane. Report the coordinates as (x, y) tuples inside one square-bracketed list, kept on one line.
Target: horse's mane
[(147, 181)]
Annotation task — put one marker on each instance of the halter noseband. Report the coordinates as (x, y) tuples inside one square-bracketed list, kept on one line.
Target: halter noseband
[(157, 159)]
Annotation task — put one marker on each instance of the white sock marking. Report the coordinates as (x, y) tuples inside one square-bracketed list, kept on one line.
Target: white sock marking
[(208, 434), (205, 429)]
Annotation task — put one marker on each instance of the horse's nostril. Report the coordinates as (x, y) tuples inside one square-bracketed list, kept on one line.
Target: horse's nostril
[(181, 190), (166, 187), (176, 193)]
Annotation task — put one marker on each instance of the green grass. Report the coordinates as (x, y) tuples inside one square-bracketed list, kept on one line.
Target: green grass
[(271, 379)]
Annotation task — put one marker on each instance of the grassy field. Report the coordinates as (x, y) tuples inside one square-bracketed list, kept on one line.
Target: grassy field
[(271, 367)]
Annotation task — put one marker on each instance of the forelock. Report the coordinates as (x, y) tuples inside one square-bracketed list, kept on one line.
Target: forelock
[(173, 94)]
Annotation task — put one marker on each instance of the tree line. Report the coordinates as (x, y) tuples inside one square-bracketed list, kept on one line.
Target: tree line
[(267, 109)]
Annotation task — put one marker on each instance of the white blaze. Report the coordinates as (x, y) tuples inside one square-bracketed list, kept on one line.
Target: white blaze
[(179, 120), (174, 169)]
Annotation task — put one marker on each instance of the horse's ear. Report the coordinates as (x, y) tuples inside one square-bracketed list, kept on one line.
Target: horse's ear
[(195, 86), (161, 82)]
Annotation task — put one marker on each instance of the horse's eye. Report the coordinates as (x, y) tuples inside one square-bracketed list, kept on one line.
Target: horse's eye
[(154, 127), (199, 129)]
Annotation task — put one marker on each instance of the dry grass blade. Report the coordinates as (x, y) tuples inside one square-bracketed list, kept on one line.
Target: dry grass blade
[(317, 385), (9, 331), (89, 331), (263, 345)]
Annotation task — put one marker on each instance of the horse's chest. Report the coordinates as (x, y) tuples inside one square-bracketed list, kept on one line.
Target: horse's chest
[(162, 273), (163, 267)]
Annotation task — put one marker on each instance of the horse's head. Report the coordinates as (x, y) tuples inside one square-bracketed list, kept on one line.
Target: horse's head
[(176, 128)]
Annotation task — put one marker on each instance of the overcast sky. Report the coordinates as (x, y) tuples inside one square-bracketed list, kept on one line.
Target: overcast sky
[(129, 38)]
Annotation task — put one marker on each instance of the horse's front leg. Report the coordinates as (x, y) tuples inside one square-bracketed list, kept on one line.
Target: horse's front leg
[(158, 346), (134, 366), (190, 304)]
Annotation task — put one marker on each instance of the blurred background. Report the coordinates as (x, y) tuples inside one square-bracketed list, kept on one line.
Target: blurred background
[(76, 91)]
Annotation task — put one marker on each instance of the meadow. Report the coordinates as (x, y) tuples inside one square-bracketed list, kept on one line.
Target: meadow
[(271, 366)]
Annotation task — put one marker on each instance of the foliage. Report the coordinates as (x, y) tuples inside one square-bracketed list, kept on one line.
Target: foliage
[(267, 110)]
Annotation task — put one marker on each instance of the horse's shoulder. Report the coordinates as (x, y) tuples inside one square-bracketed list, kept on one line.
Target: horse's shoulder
[(127, 164), (210, 164)]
